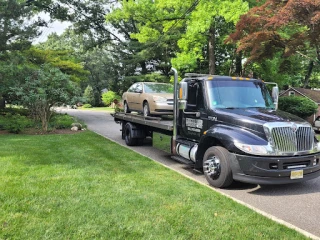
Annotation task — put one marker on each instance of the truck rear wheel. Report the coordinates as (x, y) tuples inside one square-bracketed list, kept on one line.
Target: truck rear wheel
[(128, 135), (216, 167)]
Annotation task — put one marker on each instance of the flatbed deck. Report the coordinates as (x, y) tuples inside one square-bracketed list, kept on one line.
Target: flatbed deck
[(156, 123)]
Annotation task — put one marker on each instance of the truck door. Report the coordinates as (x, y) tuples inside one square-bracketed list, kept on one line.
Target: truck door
[(194, 118)]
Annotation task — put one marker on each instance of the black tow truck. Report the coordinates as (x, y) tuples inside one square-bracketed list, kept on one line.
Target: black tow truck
[(230, 128)]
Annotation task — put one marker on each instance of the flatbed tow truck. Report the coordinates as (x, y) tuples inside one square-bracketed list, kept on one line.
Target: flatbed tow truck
[(230, 128)]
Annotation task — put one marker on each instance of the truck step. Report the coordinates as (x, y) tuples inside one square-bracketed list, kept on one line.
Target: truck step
[(182, 160), (185, 142)]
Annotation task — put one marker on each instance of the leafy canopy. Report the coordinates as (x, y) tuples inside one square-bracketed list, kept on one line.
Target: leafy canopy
[(186, 24), (288, 26)]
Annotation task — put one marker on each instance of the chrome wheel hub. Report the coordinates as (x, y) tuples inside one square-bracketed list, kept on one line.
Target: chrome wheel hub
[(145, 110), (212, 168)]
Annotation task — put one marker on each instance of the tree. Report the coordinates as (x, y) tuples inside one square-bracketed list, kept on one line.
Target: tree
[(299, 106), (289, 27), (42, 90), (17, 28), (13, 70), (89, 96), (65, 60), (17, 31), (102, 65), (163, 21)]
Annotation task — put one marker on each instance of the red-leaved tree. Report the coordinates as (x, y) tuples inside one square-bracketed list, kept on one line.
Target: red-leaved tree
[(288, 26)]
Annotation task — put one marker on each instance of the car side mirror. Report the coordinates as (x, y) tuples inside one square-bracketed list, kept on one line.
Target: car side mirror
[(139, 91), (183, 95)]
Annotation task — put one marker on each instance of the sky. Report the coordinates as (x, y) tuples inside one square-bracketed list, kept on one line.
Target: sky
[(54, 27)]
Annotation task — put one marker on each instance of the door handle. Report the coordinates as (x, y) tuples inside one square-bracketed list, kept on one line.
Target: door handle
[(197, 114)]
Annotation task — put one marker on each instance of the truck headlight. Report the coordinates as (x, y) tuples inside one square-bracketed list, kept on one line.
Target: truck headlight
[(159, 99), (316, 146), (254, 149)]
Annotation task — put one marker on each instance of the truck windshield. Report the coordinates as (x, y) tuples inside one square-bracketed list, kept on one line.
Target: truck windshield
[(239, 94)]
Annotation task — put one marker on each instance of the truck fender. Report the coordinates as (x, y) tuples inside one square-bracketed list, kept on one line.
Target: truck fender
[(225, 136)]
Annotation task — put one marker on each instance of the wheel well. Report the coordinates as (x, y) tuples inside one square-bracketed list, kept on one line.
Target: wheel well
[(207, 143)]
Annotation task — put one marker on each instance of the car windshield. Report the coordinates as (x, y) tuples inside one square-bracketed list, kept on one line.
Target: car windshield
[(158, 88), (239, 94)]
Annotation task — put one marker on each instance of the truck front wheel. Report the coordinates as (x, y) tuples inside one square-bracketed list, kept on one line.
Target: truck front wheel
[(216, 167)]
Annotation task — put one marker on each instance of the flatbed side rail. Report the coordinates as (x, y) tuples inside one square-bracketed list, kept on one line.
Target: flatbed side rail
[(155, 122)]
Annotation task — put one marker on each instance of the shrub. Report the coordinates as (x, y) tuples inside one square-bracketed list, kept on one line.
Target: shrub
[(61, 121), (87, 105), (109, 97), (15, 123), (299, 106)]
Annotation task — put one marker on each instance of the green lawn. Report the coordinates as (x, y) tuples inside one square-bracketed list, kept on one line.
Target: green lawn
[(107, 109), (83, 186)]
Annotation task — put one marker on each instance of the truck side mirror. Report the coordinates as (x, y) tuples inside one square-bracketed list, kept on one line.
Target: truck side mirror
[(275, 96), (183, 95)]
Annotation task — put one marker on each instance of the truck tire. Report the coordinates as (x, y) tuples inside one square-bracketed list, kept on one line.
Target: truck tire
[(128, 135), (126, 107), (216, 167)]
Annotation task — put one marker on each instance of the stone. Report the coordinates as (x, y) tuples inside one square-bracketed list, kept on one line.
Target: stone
[(78, 125), (74, 128)]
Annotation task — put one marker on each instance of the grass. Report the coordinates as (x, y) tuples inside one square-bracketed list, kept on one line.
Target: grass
[(108, 109), (162, 142), (83, 186)]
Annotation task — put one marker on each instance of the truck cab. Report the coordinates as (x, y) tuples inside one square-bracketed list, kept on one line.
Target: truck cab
[(230, 128)]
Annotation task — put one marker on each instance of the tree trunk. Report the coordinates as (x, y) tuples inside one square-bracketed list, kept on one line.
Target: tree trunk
[(143, 68), (238, 63), (211, 45), (2, 103), (307, 77)]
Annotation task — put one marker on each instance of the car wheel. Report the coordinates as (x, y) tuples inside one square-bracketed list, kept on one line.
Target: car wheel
[(216, 167), (126, 108), (146, 109)]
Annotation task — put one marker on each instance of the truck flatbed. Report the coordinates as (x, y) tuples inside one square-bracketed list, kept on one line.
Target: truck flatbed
[(163, 123)]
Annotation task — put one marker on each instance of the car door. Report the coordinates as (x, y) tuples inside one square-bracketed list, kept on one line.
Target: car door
[(134, 97), (130, 97), (138, 97)]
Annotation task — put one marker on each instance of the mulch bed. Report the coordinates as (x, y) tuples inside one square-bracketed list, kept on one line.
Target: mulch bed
[(33, 131)]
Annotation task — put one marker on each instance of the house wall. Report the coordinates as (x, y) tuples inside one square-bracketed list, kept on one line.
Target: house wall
[(313, 116)]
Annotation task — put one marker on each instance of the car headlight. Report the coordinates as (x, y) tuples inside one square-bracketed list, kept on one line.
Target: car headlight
[(159, 99), (254, 149)]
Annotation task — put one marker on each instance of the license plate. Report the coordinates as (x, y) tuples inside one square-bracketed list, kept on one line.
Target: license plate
[(296, 174)]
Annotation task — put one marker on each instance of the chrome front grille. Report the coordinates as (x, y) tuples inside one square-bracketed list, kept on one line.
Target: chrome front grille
[(292, 138)]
